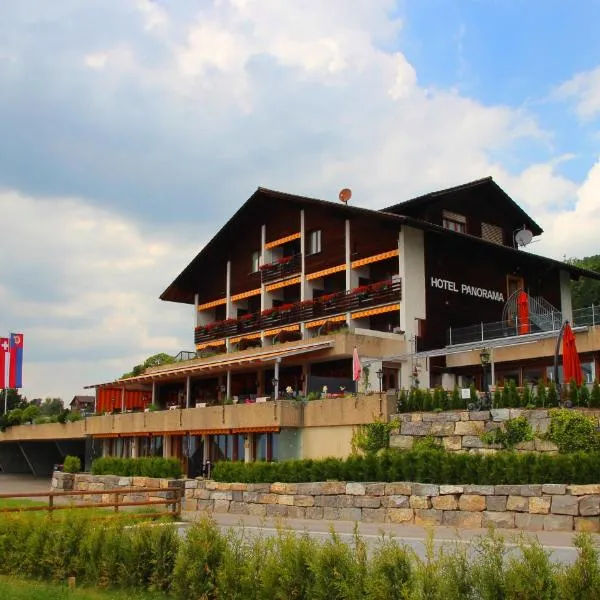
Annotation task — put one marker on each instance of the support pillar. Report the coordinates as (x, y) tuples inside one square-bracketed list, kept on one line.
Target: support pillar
[(154, 392), (228, 384), (123, 399), (105, 447), (206, 447), (276, 377), (188, 391), (167, 439), (566, 304), (248, 447), (135, 447)]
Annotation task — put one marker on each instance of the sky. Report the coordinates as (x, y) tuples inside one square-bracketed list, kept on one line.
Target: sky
[(131, 130)]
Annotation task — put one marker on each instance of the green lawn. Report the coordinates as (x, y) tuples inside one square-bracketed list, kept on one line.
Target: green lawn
[(21, 589)]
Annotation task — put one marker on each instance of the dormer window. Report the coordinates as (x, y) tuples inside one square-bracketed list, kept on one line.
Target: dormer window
[(454, 221)]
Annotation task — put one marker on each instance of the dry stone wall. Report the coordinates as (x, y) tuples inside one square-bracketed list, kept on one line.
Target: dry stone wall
[(462, 430), (548, 507)]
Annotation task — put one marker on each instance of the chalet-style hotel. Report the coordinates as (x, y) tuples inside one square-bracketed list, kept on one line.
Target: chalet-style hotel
[(290, 285)]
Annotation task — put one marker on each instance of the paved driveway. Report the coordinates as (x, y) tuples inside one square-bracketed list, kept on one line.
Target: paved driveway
[(23, 484)]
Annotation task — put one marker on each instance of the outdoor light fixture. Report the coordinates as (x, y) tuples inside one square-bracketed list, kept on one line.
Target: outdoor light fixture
[(380, 377), (484, 357)]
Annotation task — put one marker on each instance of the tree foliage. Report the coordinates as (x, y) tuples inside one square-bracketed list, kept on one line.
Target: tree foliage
[(155, 360), (586, 291), (51, 407)]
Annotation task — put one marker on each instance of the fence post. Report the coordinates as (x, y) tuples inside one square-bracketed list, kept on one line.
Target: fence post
[(482, 331), (553, 327), (50, 503), (117, 502), (593, 316)]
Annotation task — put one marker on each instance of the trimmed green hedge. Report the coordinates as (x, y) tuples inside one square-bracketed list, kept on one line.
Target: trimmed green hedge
[(426, 466), (167, 468)]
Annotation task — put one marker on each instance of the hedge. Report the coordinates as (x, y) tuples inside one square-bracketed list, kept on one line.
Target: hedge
[(214, 565), (426, 466), (167, 468)]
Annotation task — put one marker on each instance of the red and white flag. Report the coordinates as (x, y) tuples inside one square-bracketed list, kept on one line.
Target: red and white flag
[(4, 353), (356, 366)]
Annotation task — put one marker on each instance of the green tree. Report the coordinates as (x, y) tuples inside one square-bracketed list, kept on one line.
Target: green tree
[(152, 361), (586, 292), (30, 413), (595, 395), (13, 400), (51, 407)]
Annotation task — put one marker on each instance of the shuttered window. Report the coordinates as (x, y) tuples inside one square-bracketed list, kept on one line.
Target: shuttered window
[(454, 221), (492, 233)]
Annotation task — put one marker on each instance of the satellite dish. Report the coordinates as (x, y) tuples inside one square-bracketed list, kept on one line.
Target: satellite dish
[(523, 237), (345, 195)]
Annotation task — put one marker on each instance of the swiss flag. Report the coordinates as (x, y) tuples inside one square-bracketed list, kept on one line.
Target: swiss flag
[(4, 346)]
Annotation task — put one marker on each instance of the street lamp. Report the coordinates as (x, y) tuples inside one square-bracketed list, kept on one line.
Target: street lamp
[(380, 377), (484, 357)]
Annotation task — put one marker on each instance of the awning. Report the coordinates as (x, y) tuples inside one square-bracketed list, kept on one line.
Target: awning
[(228, 361)]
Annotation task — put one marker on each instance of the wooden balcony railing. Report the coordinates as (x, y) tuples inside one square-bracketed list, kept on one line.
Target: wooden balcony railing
[(383, 292), (284, 267)]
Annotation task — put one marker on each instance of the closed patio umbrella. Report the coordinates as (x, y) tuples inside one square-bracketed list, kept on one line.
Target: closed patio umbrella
[(571, 365), (523, 313)]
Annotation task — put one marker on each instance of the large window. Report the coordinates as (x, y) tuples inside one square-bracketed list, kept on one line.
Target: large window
[(454, 221), (314, 242), (255, 261)]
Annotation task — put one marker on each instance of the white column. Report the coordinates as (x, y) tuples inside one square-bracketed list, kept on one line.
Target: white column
[(302, 260), (188, 391), (248, 447), (105, 447), (134, 447), (206, 447), (166, 446), (566, 304), (228, 384), (154, 392)]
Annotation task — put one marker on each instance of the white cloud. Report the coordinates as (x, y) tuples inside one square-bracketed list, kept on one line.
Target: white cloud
[(85, 285), (97, 60), (154, 15), (584, 90)]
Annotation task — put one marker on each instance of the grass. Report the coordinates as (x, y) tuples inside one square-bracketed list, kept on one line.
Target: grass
[(12, 588)]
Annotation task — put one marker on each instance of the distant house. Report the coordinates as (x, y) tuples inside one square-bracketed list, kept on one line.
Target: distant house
[(83, 402)]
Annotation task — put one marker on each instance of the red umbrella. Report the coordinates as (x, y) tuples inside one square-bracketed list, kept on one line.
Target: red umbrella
[(571, 365), (523, 312)]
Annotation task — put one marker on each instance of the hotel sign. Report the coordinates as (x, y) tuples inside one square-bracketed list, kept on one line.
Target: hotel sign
[(464, 288)]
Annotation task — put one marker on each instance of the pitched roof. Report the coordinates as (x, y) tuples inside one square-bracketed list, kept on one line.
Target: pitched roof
[(408, 207)]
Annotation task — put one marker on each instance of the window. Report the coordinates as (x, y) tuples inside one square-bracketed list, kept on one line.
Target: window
[(255, 261), (454, 221), (314, 242), (492, 233)]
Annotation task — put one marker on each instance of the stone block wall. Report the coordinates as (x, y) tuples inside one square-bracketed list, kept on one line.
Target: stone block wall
[(462, 430), (547, 507), (550, 507), (136, 487)]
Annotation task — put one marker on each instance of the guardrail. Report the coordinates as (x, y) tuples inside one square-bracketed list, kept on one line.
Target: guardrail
[(174, 502)]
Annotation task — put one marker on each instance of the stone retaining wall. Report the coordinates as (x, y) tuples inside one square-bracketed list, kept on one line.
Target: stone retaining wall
[(548, 507), (462, 430), (100, 483)]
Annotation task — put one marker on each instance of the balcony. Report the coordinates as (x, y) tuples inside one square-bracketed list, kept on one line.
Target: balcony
[(538, 323), (281, 268), (383, 292)]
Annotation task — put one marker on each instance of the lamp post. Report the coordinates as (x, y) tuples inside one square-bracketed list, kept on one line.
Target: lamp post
[(380, 377), (275, 383), (484, 357)]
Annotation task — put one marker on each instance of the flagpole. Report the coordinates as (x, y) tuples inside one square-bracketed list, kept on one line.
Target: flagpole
[(5, 400)]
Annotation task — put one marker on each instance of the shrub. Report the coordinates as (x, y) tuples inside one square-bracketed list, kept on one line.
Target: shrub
[(584, 396), (595, 395), (552, 394), (573, 431), (30, 413), (427, 465), (512, 433), (372, 437), (72, 464), (167, 468)]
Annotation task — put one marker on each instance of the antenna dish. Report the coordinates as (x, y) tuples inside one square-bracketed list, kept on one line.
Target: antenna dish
[(523, 237), (345, 195)]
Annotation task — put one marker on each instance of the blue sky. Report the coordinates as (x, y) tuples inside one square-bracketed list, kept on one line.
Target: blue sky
[(133, 129)]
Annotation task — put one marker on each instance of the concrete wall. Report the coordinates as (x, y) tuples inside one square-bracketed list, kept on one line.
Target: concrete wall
[(548, 507), (321, 442)]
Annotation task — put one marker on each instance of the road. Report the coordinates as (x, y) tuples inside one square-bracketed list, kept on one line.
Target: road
[(560, 544)]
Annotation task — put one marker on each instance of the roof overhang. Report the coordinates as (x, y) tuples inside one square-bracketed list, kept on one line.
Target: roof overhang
[(224, 363)]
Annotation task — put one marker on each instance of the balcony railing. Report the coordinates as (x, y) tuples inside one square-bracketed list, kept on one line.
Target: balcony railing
[(383, 292), (480, 332), (283, 267)]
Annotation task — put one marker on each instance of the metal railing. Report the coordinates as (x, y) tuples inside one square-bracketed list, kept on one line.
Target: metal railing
[(538, 322), (326, 306), (174, 501)]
